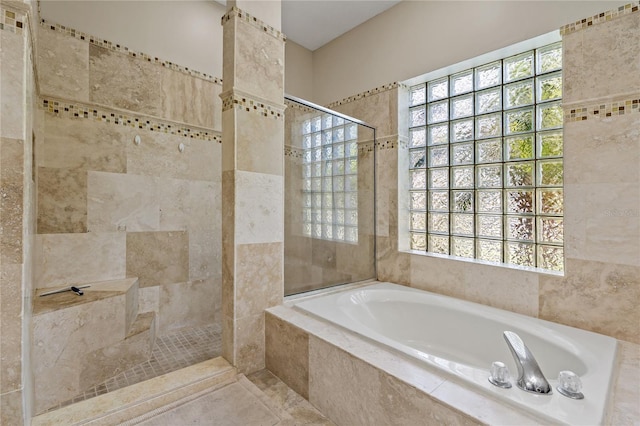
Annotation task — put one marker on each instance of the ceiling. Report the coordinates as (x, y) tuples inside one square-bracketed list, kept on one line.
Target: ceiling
[(314, 23)]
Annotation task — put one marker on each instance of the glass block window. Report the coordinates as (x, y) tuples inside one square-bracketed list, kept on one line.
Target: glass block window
[(330, 178), (486, 169)]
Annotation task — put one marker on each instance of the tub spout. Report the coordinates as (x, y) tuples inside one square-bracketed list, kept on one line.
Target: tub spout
[(530, 377)]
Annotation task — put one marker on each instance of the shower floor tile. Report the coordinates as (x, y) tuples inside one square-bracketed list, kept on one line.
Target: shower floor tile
[(172, 352)]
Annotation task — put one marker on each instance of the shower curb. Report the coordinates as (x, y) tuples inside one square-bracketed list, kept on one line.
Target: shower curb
[(122, 405)]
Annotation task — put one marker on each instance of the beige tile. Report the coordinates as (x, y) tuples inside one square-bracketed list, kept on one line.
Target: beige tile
[(259, 208), (258, 142), (625, 409), (11, 327), (249, 340), (11, 406), (12, 85), (609, 64), (63, 65), (174, 198), (205, 257), (596, 296), (204, 160), (62, 201), (258, 278), (189, 99), (84, 144), (58, 339), (281, 395), (601, 222), (149, 299), (204, 205), (228, 339), (122, 202), (501, 287), (378, 110), (441, 276), (158, 155), (258, 63), (393, 266), (64, 259), (158, 258), (602, 150), (189, 304), (350, 391), (287, 353), (125, 82), (12, 200)]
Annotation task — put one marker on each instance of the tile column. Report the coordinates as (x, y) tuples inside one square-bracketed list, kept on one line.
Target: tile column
[(252, 178)]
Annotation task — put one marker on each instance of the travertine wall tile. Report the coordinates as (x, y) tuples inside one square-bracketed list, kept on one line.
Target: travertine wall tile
[(83, 144), (205, 255), (601, 61), (190, 100), (63, 66), (11, 200), (120, 81), (287, 353), (602, 150), (259, 208), (258, 63), (11, 407), (62, 201), (158, 155), (203, 206), (12, 85), (598, 296), (11, 327), (379, 110), (149, 299), (258, 278), (624, 406), (204, 160), (249, 340), (601, 222), (122, 202), (255, 153), (65, 259), (189, 304), (158, 258)]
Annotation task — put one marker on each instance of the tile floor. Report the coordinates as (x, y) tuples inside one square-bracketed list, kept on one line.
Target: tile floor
[(172, 352)]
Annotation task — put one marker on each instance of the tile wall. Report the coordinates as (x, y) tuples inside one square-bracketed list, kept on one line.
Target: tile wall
[(17, 207), (129, 180), (600, 289)]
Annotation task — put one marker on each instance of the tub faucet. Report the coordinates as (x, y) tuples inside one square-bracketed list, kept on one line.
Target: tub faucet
[(530, 377)]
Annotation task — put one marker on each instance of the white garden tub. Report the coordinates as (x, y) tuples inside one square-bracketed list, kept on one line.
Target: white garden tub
[(464, 338)]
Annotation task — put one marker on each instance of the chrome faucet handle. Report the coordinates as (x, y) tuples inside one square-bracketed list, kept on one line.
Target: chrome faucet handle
[(530, 377)]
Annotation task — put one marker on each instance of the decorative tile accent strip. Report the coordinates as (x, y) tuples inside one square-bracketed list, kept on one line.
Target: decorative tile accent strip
[(247, 104), (600, 18), (298, 106), (125, 50), (12, 21), (387, 143), (252, 20), (365, 94), (66, 109), (293, 152), (627, 106)]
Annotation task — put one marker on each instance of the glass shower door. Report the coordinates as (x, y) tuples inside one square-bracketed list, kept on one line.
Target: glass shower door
[(329, 198)]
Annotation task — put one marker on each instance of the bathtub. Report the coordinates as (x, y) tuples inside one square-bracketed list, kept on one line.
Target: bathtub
[(462, 339)]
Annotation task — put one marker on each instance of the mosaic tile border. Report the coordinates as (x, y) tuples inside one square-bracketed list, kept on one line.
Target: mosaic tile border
[(298, 106), (600, 18), (363, 95), (77, 110), (12, 21), (253, 21), (115, 47), (293, 152), (602, 110), (247, 104)]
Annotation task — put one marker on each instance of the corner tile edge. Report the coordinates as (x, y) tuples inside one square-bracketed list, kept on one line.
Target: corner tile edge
[(235, 12)]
